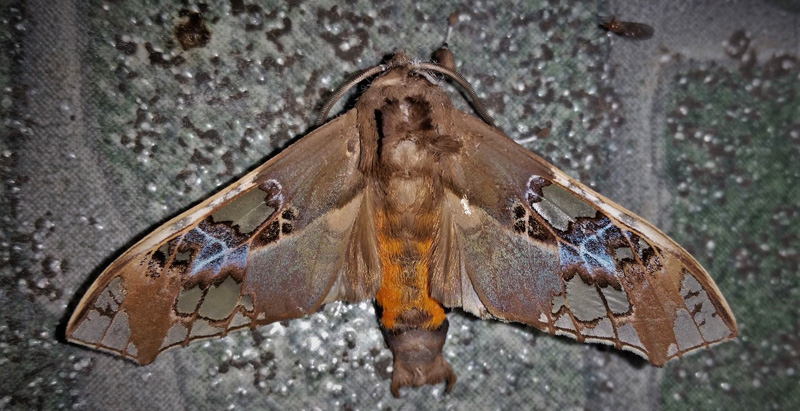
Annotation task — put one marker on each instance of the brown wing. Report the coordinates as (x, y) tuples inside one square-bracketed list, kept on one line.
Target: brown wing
[(275, 245), (524, 242)]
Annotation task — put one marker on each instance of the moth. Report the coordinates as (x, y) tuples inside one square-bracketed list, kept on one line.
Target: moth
[(411, 202), (629, 29)]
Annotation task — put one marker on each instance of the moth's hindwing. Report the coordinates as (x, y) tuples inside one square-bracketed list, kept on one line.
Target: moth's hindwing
[(275, 245), (527, 243)]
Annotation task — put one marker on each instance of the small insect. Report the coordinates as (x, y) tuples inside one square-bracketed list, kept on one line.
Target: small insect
[(629, 29), (412, 203), (192, 31)]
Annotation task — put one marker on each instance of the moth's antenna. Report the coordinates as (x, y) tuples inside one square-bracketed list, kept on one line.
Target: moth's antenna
[(443, 56), (357, 78), (444, 63), (476, 103), (451, 22)]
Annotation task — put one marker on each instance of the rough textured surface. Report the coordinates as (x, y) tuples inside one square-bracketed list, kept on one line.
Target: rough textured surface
[(111, 124)]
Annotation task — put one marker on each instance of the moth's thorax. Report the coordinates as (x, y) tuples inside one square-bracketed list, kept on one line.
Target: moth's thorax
[(405, 157), (409, 152), (407, 194), (405, 123)]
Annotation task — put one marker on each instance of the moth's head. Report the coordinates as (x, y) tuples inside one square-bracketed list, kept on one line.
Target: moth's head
[(403, 71), (399, 58), (442, 57), (408, 76)]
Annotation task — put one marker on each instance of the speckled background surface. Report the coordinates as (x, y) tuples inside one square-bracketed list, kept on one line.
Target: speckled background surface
[(110, 127)]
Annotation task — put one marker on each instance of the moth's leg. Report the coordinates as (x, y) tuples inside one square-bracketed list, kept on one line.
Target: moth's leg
[(418, 358)]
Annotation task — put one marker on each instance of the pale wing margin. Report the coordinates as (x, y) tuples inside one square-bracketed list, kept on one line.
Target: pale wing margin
[(532, 245), (275, 245)]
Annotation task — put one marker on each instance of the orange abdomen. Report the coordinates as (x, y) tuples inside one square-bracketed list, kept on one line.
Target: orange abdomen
[(405, 245)]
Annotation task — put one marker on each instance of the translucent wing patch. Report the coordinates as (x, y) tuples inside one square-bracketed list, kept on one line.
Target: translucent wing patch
[(621, 288), (268, 248), (550, 252), (188, 286)]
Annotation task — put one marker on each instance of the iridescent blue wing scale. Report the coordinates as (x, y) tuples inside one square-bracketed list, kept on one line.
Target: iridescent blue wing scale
[(270, 247), (527, 243)]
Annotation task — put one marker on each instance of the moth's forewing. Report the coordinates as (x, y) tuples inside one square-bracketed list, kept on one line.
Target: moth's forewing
[(274, 245), (537, 247)]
